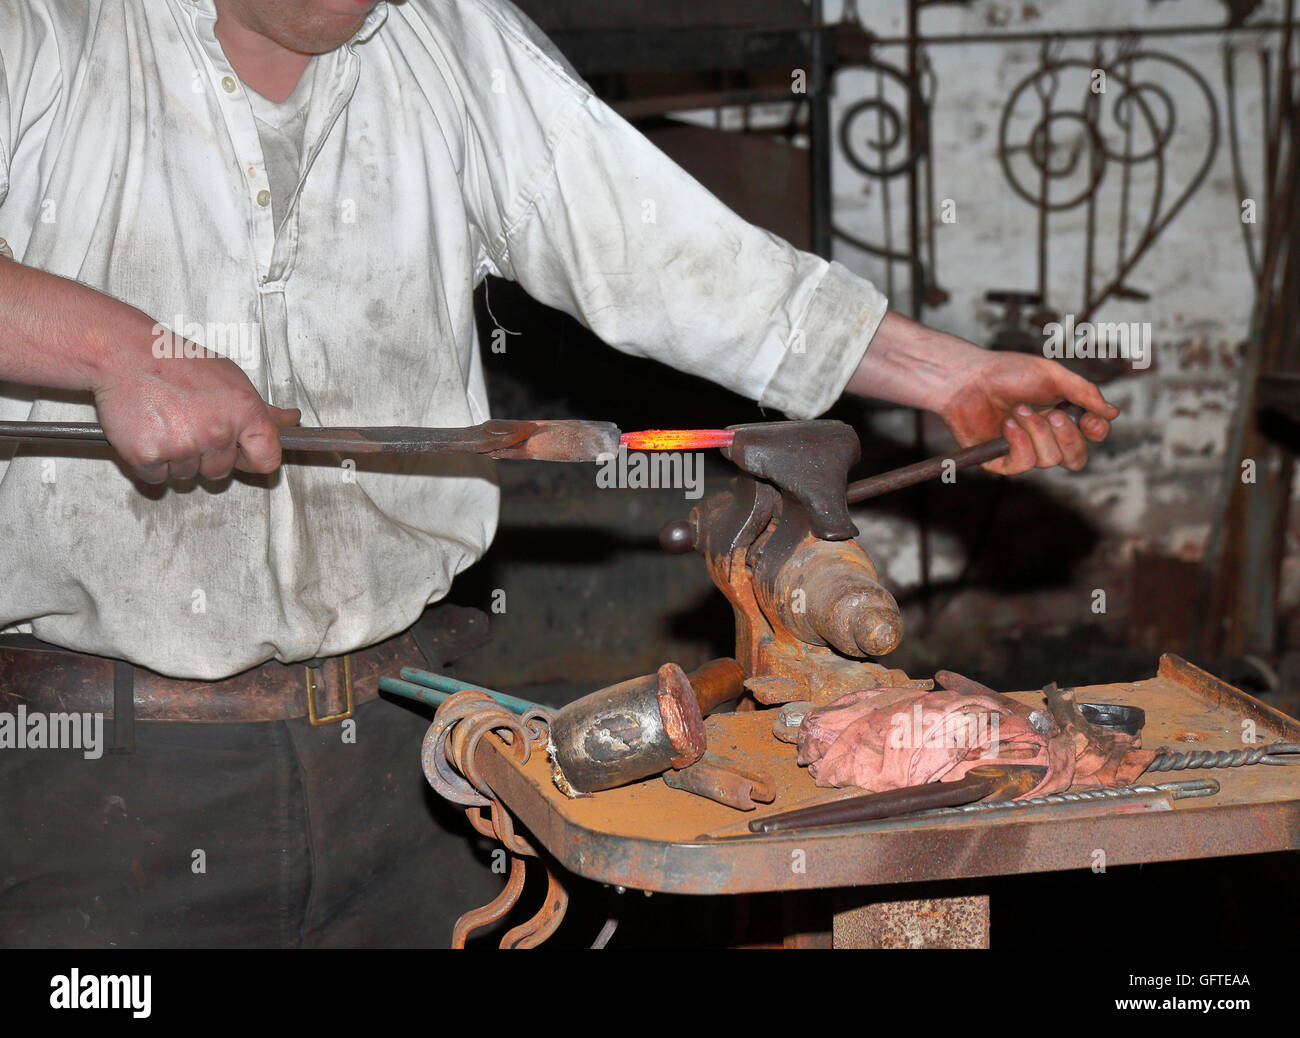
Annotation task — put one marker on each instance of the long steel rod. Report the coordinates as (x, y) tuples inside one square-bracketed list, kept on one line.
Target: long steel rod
[(379, 439), (542, 440), (932, 468)]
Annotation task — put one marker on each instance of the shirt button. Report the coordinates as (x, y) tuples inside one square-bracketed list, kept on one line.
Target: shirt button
[(264, 198), (228, 84)]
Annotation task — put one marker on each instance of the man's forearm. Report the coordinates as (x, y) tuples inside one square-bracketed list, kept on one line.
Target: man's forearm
[(908, 363), (171, 417), (59, 334)]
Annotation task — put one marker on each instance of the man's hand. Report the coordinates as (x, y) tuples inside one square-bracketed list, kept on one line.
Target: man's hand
[(984, 394), (174, 417), (1011, 395)]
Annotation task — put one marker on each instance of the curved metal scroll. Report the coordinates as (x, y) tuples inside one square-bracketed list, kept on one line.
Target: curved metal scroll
[(447, 757), (1077, 126)]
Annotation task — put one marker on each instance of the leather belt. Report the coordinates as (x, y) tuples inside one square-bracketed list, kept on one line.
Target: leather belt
[(51, 679)]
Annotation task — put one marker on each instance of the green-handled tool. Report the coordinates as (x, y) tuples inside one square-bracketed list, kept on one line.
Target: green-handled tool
[(435, 689)]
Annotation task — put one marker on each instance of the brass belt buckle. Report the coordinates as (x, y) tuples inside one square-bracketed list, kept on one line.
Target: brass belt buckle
[(313, 715)]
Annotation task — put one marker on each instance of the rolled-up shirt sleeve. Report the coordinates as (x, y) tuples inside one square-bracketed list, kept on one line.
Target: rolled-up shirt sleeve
[(612, 231)]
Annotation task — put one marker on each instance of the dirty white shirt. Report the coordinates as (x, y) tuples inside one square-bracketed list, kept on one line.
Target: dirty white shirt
[(445, 142)]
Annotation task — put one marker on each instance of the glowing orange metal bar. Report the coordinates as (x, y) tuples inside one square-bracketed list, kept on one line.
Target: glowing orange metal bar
[(677, 439)]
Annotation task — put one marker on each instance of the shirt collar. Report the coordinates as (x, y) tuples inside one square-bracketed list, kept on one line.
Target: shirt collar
[(373, 21)]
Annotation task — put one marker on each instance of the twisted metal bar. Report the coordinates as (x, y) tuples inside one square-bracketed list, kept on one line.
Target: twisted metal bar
[(1280, 753), (1178, 790), (482, 823)]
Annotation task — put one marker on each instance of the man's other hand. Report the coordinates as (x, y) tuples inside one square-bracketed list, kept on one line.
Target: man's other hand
[(1011, 395)]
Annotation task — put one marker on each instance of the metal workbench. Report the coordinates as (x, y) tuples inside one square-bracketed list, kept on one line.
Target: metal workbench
[(650, 837)]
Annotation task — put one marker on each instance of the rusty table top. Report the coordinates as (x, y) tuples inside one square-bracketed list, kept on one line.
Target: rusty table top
[(648, 836)]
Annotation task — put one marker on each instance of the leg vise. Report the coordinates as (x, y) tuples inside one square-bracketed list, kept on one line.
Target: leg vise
[(808, 602)]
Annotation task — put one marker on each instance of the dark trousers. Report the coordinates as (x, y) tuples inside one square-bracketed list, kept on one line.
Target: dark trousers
[(269, 834)]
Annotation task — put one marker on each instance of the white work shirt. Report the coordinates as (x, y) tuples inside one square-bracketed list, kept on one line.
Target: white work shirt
[(444, 142)]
